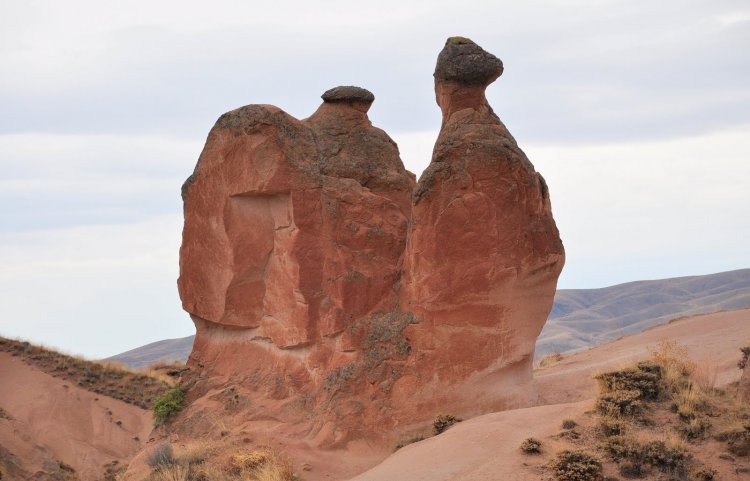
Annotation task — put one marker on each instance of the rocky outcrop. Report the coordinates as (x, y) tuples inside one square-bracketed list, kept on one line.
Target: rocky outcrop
[(484, 253), (335, 299)]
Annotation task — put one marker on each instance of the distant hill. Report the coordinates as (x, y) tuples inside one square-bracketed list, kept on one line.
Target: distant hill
[(166, 350), (580, 318)]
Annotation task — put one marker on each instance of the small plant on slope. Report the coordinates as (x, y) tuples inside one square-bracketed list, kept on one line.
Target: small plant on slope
[(531, 446), (577, 466), (168, 404), (443, 422)]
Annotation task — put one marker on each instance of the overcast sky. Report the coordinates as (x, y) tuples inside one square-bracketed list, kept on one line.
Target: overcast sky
[(636, 112)]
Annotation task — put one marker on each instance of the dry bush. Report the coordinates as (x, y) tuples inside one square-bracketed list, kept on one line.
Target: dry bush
[(206, 461), (675, 363), (704, 474), (162, 455), (738, 440), (745, 355), (550, 359), (248, 460), (695, 429), (531, 446), (707, 375), (196, 453), (620, 404), (641, 378), (443, 422), (261, 465), (669, 456), (611, 427), (577, 466), (569, 424)]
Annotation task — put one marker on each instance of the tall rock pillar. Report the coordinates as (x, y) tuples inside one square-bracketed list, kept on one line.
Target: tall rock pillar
[(483, 254)]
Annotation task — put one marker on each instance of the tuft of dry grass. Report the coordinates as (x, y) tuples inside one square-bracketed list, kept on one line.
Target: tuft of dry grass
[(172, 472), (213, 461), (550, 359), (197, 452), (415, 438), (676, 365)]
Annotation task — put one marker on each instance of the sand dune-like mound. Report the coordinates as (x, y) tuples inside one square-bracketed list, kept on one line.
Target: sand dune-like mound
[(52, 429)]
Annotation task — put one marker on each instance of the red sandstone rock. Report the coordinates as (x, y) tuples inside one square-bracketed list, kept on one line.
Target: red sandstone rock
[(315, 317), (484, 253)]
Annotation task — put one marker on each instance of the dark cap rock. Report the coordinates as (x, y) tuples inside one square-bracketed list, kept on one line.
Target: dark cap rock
[(348, 94), (463, 61)]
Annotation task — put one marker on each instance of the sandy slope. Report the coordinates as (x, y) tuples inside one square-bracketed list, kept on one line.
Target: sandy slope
[(713, 340), (486, 447), (54, 421)]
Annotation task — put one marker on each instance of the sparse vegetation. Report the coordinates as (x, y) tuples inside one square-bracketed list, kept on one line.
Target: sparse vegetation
[(443, 422), (4, 415), (745, 356), (409, 440), (108, 379), (577, 466), (168, 404), (205, 461), (163, 455), (650, 412), (550, 359), (636, 456), (569, 424), (531, 446)]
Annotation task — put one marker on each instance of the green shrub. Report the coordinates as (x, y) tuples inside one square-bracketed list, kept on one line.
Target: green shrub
[(577, 466), (168, 404), (443, 422), (531, 446)]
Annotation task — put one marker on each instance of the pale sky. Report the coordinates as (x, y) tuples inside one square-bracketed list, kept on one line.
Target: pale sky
[(636, 112)]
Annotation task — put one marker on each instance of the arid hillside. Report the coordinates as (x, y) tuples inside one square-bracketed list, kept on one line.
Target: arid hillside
[(582, 318), (64, 418)]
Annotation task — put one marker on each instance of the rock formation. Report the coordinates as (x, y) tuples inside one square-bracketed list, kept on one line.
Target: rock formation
[(484, 253), (334, 297)]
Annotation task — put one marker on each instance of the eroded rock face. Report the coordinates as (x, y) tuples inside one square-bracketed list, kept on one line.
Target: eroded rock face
[(334, 297), (484, 253)]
